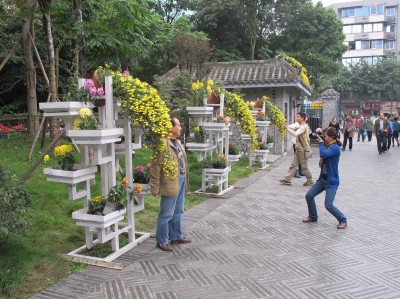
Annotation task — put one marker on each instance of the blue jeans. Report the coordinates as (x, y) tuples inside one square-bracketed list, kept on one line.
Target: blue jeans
[(316, 189), (169, 219)]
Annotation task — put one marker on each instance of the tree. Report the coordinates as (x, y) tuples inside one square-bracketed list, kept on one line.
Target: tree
[(314, 37), (27, 39), (364, 82), (169, 10)]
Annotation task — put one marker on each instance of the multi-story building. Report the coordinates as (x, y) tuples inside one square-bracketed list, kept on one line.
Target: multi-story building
[(371, 28)]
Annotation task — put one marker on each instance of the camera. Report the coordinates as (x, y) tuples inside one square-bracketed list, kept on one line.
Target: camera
[(315, 135)]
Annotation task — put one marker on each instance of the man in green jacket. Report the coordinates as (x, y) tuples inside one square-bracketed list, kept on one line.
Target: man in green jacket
[(369, 127), (169, 178)]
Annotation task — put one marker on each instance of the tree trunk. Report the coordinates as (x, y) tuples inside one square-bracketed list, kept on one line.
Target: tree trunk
[(46, 7), (33, 117)]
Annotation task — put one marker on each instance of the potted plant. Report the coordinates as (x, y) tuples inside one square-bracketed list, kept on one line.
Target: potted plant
[(261, 116), (263, 146), (234, 149), (141, 178), (199, 134), (116, 199), (86, 120), (270, 139), (119, 92), (216, 161), (67, 171)]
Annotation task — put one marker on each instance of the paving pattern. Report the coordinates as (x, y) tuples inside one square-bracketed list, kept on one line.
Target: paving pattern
[(254, 245)]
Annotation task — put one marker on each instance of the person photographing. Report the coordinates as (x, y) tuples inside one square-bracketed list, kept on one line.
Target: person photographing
[(328, 181)]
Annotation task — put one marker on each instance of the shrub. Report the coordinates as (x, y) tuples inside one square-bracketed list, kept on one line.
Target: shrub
[(234, 149), (218, 162), (14, 203), (263, 146)]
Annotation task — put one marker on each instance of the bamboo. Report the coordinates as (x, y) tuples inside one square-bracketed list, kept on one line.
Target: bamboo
[(39, 60), (37, 134), (39, 160), (9, 54)]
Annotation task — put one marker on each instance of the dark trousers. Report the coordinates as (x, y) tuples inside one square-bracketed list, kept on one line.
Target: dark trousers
[(369, 133), (346, 136), (361, 132), (381, 139)]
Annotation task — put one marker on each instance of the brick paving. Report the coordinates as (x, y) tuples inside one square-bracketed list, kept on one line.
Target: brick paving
[(254, 245)]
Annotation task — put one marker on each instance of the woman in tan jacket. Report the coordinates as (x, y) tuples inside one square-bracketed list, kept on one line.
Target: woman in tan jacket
[(169, 178)]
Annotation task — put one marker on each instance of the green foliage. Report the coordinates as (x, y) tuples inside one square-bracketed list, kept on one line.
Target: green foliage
[(97, 204), (234, 149), (216, 161), (14, 203), (119, 195), (199, 134)]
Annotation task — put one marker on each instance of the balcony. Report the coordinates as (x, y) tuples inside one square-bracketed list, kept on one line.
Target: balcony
[(390, 19), (390, 35)]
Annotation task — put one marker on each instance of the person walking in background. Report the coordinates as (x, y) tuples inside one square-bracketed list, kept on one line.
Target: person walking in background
[(390, 133), (348, 132), (396, 129), (302, 135), (369, 127), (335, 124), (380, 131), (294, 127), (361, 128), (171, 181), (328, 181)]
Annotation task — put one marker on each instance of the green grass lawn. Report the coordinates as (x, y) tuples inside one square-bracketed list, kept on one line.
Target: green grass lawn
[(28, 264)]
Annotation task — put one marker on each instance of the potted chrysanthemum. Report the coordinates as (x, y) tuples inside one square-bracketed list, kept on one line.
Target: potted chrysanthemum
[(66, 171)]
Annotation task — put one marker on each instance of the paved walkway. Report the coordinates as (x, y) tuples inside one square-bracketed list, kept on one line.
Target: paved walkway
[(254, 245)]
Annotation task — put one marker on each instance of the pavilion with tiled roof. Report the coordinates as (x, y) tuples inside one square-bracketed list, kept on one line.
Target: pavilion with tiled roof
[(275, 78)]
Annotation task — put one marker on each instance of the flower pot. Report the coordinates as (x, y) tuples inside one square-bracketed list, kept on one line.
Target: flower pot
[(60, 109), (103, 136), (145, 188), (258, 104), (84, 219), (100, 102), (213, 99), (109, 208), (96, 80), (70, 177)]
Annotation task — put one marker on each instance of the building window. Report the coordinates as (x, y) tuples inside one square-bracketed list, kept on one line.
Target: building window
[(390, 11), (377, 27), (358, 45), (389, 44), (376, 44), (376, 9), (390, 28), (347, 29), (367, 27), (356, 28), (365, 44)]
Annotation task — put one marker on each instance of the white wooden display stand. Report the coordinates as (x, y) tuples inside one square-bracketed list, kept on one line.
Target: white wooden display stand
[(217, 138), (108, 227), (72, 179), (262, 128)]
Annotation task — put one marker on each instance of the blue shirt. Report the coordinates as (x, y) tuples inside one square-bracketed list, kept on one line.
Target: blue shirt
[(331, 156)]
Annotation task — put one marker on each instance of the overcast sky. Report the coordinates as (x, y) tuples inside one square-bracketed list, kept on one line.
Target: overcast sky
[(329, 2)]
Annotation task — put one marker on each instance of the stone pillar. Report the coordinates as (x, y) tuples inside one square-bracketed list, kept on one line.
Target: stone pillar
[(330, 99)]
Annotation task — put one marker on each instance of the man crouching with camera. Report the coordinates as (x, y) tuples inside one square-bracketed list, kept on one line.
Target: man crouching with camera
[(328, 181)]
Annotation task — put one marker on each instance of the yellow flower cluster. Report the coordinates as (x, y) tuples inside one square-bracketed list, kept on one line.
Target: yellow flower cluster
[(197, 85), (296, 64), (169, 166), (46, 159), (276, 116), (201, 91), (62, 150), (84, 112), (97, 199), (145, 106), (238, 110)]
